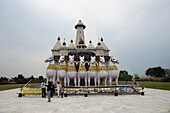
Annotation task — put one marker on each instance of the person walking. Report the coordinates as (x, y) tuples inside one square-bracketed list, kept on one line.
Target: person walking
[(43, 87), (49, 91), (58, 88), (52, 89)]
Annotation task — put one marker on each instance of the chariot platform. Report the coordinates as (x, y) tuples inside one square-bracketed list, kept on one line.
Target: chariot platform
[(92, 90), (122, 89)]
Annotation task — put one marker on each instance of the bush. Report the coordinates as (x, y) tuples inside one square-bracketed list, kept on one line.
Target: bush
[(166, 79), (125, 78), (150, 79)]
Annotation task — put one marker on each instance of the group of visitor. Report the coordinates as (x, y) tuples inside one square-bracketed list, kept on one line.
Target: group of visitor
[(51, 89)]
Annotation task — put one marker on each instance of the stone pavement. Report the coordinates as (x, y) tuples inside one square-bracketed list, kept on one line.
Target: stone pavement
[(154, 101)]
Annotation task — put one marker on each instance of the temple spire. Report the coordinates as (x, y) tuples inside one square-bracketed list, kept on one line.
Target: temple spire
[(80, 32)]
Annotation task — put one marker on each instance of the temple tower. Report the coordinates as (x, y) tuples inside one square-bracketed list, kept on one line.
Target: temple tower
[(80, 32)]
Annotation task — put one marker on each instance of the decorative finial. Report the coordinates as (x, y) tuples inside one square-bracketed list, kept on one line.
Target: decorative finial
[(98, 43), (64, 42), (101, 39)]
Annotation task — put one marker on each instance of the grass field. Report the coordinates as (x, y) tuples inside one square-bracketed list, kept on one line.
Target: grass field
[(10, 86), (146, 84)]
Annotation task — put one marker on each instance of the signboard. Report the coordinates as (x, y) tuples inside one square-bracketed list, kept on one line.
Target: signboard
[(31, 91)]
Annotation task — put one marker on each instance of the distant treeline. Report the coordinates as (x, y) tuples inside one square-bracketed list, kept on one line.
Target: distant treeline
[(154, 73), (20, 79)]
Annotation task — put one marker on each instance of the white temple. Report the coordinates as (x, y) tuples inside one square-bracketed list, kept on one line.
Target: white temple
[(81, 60), (80, 48)]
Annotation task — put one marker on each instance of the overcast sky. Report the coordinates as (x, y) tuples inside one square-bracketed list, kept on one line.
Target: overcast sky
[(136, 31)]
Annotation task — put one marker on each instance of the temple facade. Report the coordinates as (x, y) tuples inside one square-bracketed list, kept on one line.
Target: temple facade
[(80, 48)]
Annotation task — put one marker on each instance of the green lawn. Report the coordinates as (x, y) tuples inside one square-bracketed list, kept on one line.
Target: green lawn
[(156, 85), (149, 84), (10, 86), (13, 86)]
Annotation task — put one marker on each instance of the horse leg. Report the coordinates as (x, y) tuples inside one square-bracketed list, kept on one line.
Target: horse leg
[(106, 81), (65, 80), (89, 80), (98, 80), (58, 78), (78, 79), (75, 81), (54, 77), (68, 81), (85, 80), (110, 79), (47, 79), (95, 79), (116, 79)]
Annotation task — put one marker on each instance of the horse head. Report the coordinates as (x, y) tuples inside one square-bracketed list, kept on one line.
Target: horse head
[(50, 59), (62, 59), (102, 60), (81, 60), (93, 60), (71, 59), (113, 60)]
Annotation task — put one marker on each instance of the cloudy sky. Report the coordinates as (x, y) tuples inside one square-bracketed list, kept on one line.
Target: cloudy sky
[(136, 31)]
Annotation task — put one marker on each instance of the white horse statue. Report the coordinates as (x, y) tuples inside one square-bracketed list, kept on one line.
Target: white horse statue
[(82, 73), (51, 70), (92, 71), (102, 71), (71, 71), (113, 71), (61, 72)]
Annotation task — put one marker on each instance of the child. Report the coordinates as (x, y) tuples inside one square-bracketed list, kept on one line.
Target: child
[(58, 88), (62, 92)]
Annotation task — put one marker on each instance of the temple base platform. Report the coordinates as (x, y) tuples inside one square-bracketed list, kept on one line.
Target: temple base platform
[(81, 90), (121, 89)]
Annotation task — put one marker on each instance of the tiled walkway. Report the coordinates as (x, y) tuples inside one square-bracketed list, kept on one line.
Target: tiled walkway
[(154, 101)]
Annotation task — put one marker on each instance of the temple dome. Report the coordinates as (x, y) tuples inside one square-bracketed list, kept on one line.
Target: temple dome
[(80, 24), (99, 46), (63, 46), (71, 45), (57, 45), (90, 46), (104, 45)]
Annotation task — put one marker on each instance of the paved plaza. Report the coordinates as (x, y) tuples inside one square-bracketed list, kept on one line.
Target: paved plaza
[(154, 101)]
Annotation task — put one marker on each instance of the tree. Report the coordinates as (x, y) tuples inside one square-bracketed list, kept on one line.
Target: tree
[(167, 76), (41, 78), (155, 72), (167, 71), (123, 75), (20, 76), (3, 79), (136, 76), (32, 77)]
